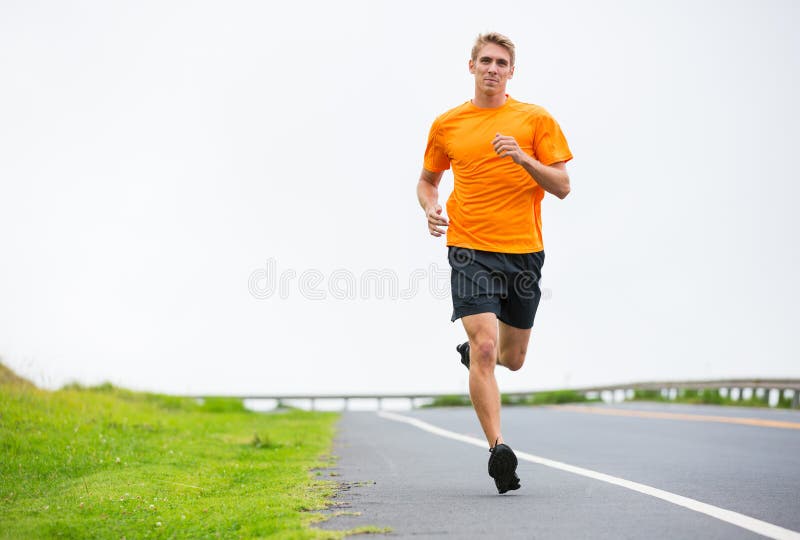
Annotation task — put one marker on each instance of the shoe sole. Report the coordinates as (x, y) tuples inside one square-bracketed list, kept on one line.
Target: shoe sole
[(503, 468)]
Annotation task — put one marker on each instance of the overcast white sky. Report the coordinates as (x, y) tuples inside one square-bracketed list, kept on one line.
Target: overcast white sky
[(162, 162)]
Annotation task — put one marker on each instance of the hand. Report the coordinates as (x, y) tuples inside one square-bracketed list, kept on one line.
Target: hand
[(507, 146), (435, 220)]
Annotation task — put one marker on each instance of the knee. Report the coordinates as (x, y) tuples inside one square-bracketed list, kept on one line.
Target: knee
[(484, 352), (515, 361)]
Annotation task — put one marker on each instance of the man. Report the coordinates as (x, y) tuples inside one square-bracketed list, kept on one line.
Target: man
[(505, 154)]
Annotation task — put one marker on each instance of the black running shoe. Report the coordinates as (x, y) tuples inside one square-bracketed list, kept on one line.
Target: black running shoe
[(503, 468), (463, 350)]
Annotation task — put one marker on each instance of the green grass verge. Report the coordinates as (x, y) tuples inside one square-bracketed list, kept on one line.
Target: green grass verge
[(555, 397), (453, 400), (105, 462), (710, 396), (538, 398), (704, 397)]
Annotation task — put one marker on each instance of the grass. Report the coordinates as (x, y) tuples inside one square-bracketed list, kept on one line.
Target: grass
[(556, 397), (105, 462), (538, 398), (453, 400), (710, 396)]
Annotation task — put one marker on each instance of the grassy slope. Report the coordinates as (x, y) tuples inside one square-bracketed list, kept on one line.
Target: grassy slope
[(108, 463)]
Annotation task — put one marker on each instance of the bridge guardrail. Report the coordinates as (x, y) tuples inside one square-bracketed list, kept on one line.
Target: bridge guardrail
[(732, 385)]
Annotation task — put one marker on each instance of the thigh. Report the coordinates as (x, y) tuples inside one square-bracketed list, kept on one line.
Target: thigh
[(480, 327)]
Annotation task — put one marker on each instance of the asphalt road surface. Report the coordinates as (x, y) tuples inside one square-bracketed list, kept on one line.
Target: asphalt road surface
[(591, 471)]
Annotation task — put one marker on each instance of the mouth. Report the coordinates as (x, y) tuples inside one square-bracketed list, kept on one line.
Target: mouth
[(490, 80)]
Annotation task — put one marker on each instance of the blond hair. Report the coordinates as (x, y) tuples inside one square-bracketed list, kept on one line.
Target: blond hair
[(497, 39)]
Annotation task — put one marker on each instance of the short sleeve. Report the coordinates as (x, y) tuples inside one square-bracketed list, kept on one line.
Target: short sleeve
[(549, 144), (436, 158)]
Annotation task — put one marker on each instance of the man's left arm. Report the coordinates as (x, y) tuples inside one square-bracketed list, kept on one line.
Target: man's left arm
[(552, 178)]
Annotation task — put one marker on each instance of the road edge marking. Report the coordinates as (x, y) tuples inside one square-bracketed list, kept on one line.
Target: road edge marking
[(752, 524)]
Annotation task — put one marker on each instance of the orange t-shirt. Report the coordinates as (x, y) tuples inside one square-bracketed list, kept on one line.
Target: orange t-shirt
[(495, 204)]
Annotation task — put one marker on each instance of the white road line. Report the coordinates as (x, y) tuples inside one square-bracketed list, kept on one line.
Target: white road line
[(734, 518)]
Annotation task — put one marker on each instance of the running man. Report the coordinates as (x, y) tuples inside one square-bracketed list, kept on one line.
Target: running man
[(505, 154)]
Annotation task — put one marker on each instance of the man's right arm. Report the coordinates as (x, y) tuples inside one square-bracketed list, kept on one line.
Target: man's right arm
[(428, 196)]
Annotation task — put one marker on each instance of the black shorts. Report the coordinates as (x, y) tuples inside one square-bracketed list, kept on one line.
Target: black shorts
[(506, 284)]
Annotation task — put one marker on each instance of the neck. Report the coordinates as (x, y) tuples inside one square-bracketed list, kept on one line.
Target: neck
[(489, 102)]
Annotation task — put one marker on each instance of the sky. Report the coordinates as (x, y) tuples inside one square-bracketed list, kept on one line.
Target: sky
[(219, 197)]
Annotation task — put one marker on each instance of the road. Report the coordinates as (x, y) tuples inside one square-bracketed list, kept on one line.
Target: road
[(717, 475)]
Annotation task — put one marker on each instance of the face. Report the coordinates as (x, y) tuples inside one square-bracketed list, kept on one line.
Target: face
[(492, 69)]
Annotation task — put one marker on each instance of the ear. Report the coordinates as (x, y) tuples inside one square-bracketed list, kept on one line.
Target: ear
[(471, 66), (511, 73)]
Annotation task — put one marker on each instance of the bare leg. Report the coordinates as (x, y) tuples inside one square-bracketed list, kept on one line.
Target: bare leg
[(482, 333), (490, 346)]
